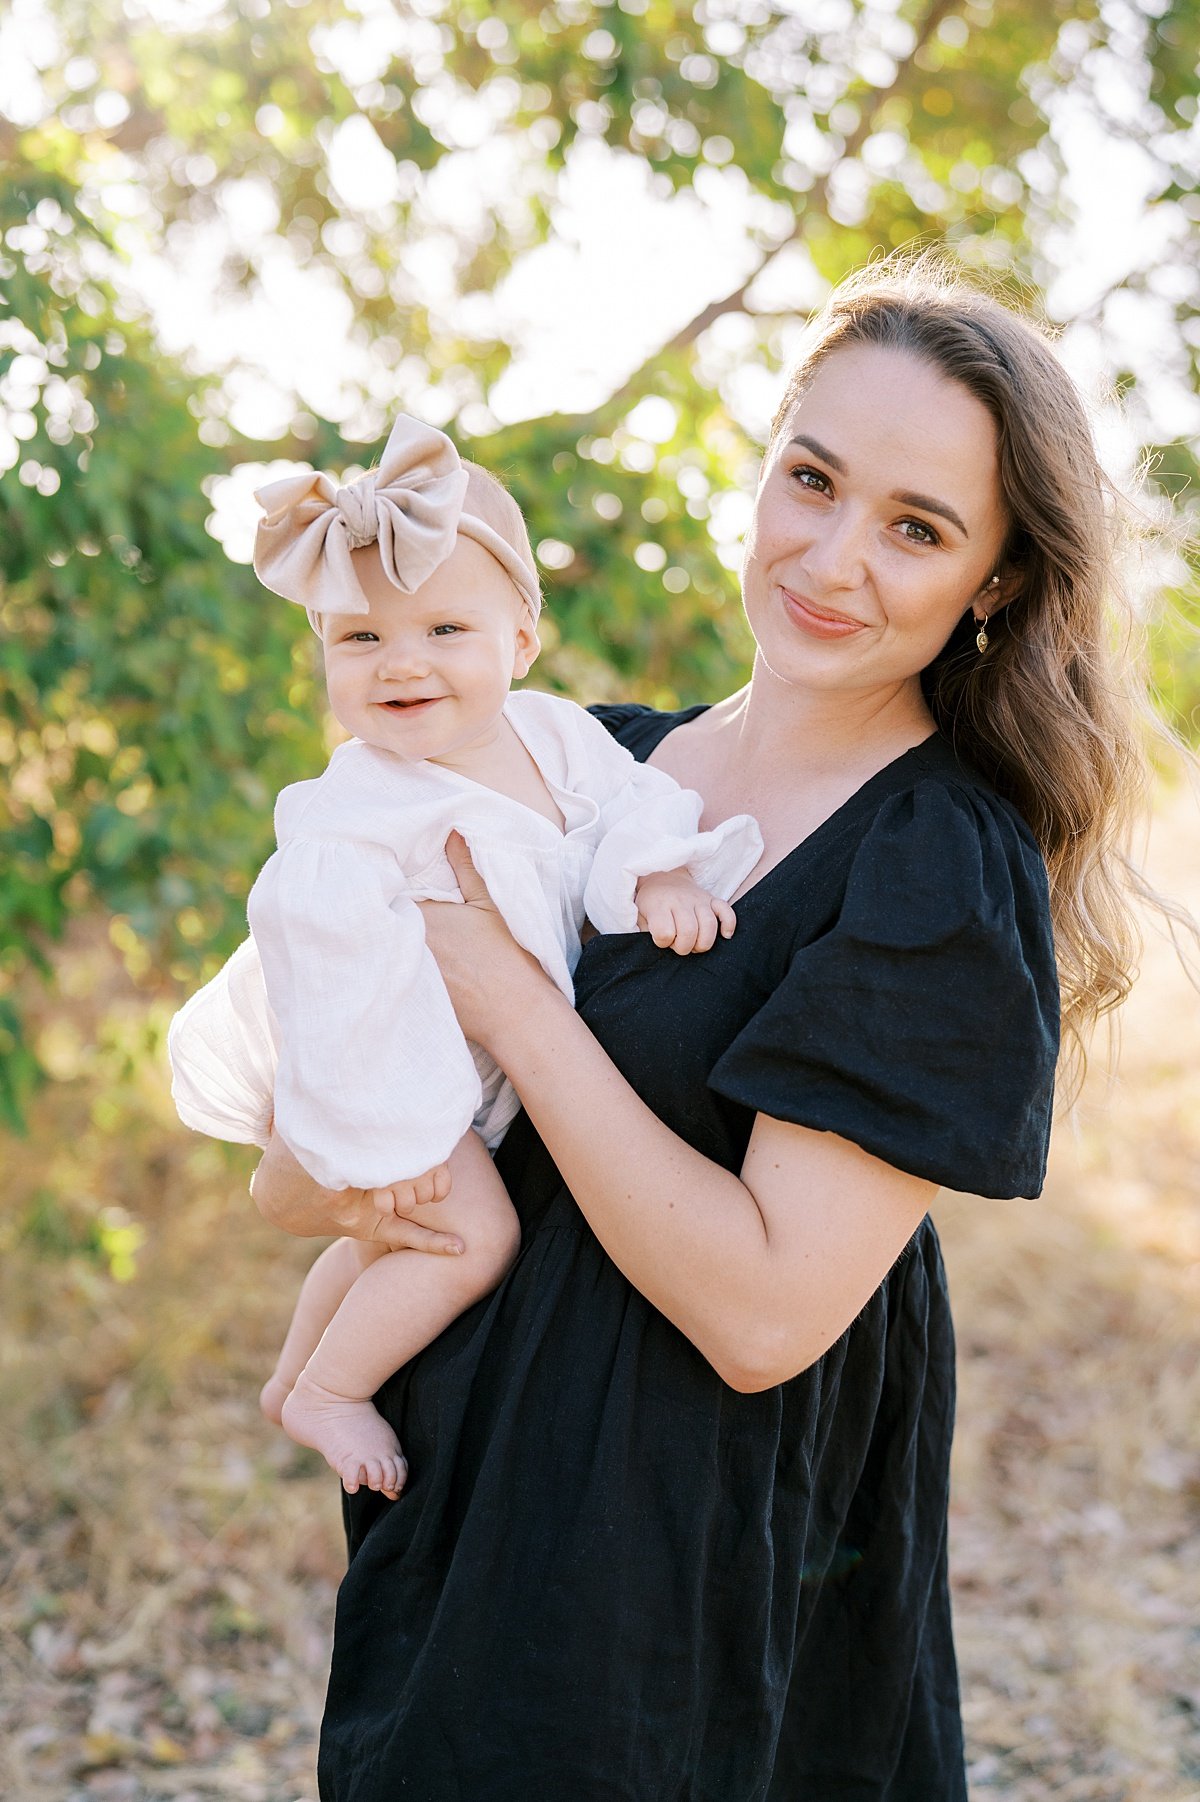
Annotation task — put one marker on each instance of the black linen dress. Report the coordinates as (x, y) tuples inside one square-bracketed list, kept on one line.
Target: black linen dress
[(612, 1578)]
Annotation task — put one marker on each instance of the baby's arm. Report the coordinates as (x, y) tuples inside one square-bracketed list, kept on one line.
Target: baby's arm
[(676, 912), (656, 868)]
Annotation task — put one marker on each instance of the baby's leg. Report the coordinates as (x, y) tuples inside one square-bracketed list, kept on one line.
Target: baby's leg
[(395, 1308), (324, 1290)]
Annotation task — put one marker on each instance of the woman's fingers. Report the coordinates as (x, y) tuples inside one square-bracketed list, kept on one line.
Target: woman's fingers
[(485, 971), (402, 1234), (474, 888)]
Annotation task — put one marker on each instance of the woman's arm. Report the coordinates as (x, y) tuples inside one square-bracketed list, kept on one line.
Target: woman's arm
[(763, 1270), (287, 1196)]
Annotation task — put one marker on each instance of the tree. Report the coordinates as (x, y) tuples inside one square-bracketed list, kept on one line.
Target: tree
[(150, 703)]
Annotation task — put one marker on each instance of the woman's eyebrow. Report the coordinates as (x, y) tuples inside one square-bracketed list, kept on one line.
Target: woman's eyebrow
[(926, 502), (928, 505), (819, 450)]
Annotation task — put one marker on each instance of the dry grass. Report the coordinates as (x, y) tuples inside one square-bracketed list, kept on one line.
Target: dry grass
[(169, 1565), (1077, 1483)]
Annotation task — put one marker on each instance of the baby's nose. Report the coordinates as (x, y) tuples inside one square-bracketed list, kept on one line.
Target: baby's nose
[(398, 661)]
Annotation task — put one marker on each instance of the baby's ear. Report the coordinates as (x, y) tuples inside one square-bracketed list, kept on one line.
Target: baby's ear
[(527, 648)]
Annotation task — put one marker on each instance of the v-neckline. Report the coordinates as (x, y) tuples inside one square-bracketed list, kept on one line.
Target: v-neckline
[(553, 789), (822, 829)]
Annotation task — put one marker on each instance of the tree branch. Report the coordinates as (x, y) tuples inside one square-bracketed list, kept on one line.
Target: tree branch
[(814, 200)]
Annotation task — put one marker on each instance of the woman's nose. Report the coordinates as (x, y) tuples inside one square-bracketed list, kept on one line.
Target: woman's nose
[(837, 553)]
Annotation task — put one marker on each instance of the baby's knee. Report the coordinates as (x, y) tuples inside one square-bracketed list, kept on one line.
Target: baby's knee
[(493, 1241)]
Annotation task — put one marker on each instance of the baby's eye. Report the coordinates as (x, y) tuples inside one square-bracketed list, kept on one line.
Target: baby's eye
[(928, 535), (447, 627), (813, 479), (361, 638)]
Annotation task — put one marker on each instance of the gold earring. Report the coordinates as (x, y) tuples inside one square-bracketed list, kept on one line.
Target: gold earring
[(982, 638)]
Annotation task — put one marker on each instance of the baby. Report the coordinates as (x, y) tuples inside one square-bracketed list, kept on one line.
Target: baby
[(331, 1021)]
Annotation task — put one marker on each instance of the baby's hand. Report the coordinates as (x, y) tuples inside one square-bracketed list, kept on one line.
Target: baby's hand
[(402, 1198), (676, 911)]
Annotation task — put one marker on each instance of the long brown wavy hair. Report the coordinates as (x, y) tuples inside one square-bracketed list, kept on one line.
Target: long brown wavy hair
[(1056, 713)]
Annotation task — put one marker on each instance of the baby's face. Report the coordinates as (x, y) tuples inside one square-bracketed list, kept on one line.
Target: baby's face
[(426, 674)]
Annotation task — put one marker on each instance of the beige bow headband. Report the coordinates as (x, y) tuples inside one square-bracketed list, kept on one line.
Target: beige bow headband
[(412, 505)]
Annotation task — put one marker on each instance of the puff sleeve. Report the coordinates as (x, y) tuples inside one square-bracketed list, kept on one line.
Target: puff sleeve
[(223, 1047), (375, 1082), (652, 824), (923, 1024)]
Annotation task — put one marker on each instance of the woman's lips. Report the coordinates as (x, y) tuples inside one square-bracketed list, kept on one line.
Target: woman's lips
[(817, 621)]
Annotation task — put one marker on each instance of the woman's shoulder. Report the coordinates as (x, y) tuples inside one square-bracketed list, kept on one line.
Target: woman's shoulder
[(920, 1018), (937, 826), (640, 728), (925, 847)]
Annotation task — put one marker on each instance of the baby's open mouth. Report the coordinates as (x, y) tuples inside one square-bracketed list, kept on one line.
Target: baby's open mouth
[(421, 701)]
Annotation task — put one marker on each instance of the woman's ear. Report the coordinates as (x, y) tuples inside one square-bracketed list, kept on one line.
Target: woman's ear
[(999, 591)]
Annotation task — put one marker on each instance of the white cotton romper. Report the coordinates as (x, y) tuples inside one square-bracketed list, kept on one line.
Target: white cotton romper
[(332, 1019)]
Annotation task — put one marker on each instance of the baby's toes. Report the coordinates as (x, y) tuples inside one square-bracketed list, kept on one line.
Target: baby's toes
[(353, 1474), (395, 1475), (372, 1473)]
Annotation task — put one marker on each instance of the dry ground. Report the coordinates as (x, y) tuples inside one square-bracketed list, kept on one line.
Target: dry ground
[(168, 1565)]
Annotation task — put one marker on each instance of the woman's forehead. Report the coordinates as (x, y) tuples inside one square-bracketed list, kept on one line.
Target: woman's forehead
[(888, 416)]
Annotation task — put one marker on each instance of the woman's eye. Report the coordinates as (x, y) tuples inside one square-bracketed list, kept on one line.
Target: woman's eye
[(812, 479), (928, 535)]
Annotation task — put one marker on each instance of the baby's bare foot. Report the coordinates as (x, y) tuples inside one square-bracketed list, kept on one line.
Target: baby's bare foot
[(352, 1437), (271, 1398)]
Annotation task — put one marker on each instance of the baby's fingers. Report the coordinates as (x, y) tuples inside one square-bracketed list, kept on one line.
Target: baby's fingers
[(726, 917), (661, 925), (706, 928), (383, 1201), (683, 939)]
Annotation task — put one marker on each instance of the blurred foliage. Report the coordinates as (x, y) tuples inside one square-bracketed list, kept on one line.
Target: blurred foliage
[(150, 704), (151, 700)]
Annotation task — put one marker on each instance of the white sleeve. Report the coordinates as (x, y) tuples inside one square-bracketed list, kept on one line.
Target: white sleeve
[(223, 1052), (651, 824), (376, 1082)]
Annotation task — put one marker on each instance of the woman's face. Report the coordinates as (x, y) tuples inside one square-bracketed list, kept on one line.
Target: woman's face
[(878, 523)]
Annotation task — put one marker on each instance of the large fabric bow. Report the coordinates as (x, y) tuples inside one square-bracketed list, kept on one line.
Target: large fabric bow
[(411, 505)]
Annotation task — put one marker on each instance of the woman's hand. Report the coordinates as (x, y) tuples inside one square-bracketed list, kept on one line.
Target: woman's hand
[(485, 970), (286, 1195)]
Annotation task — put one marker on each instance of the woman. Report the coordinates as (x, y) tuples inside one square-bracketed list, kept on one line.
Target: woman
[(676, 1524)]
